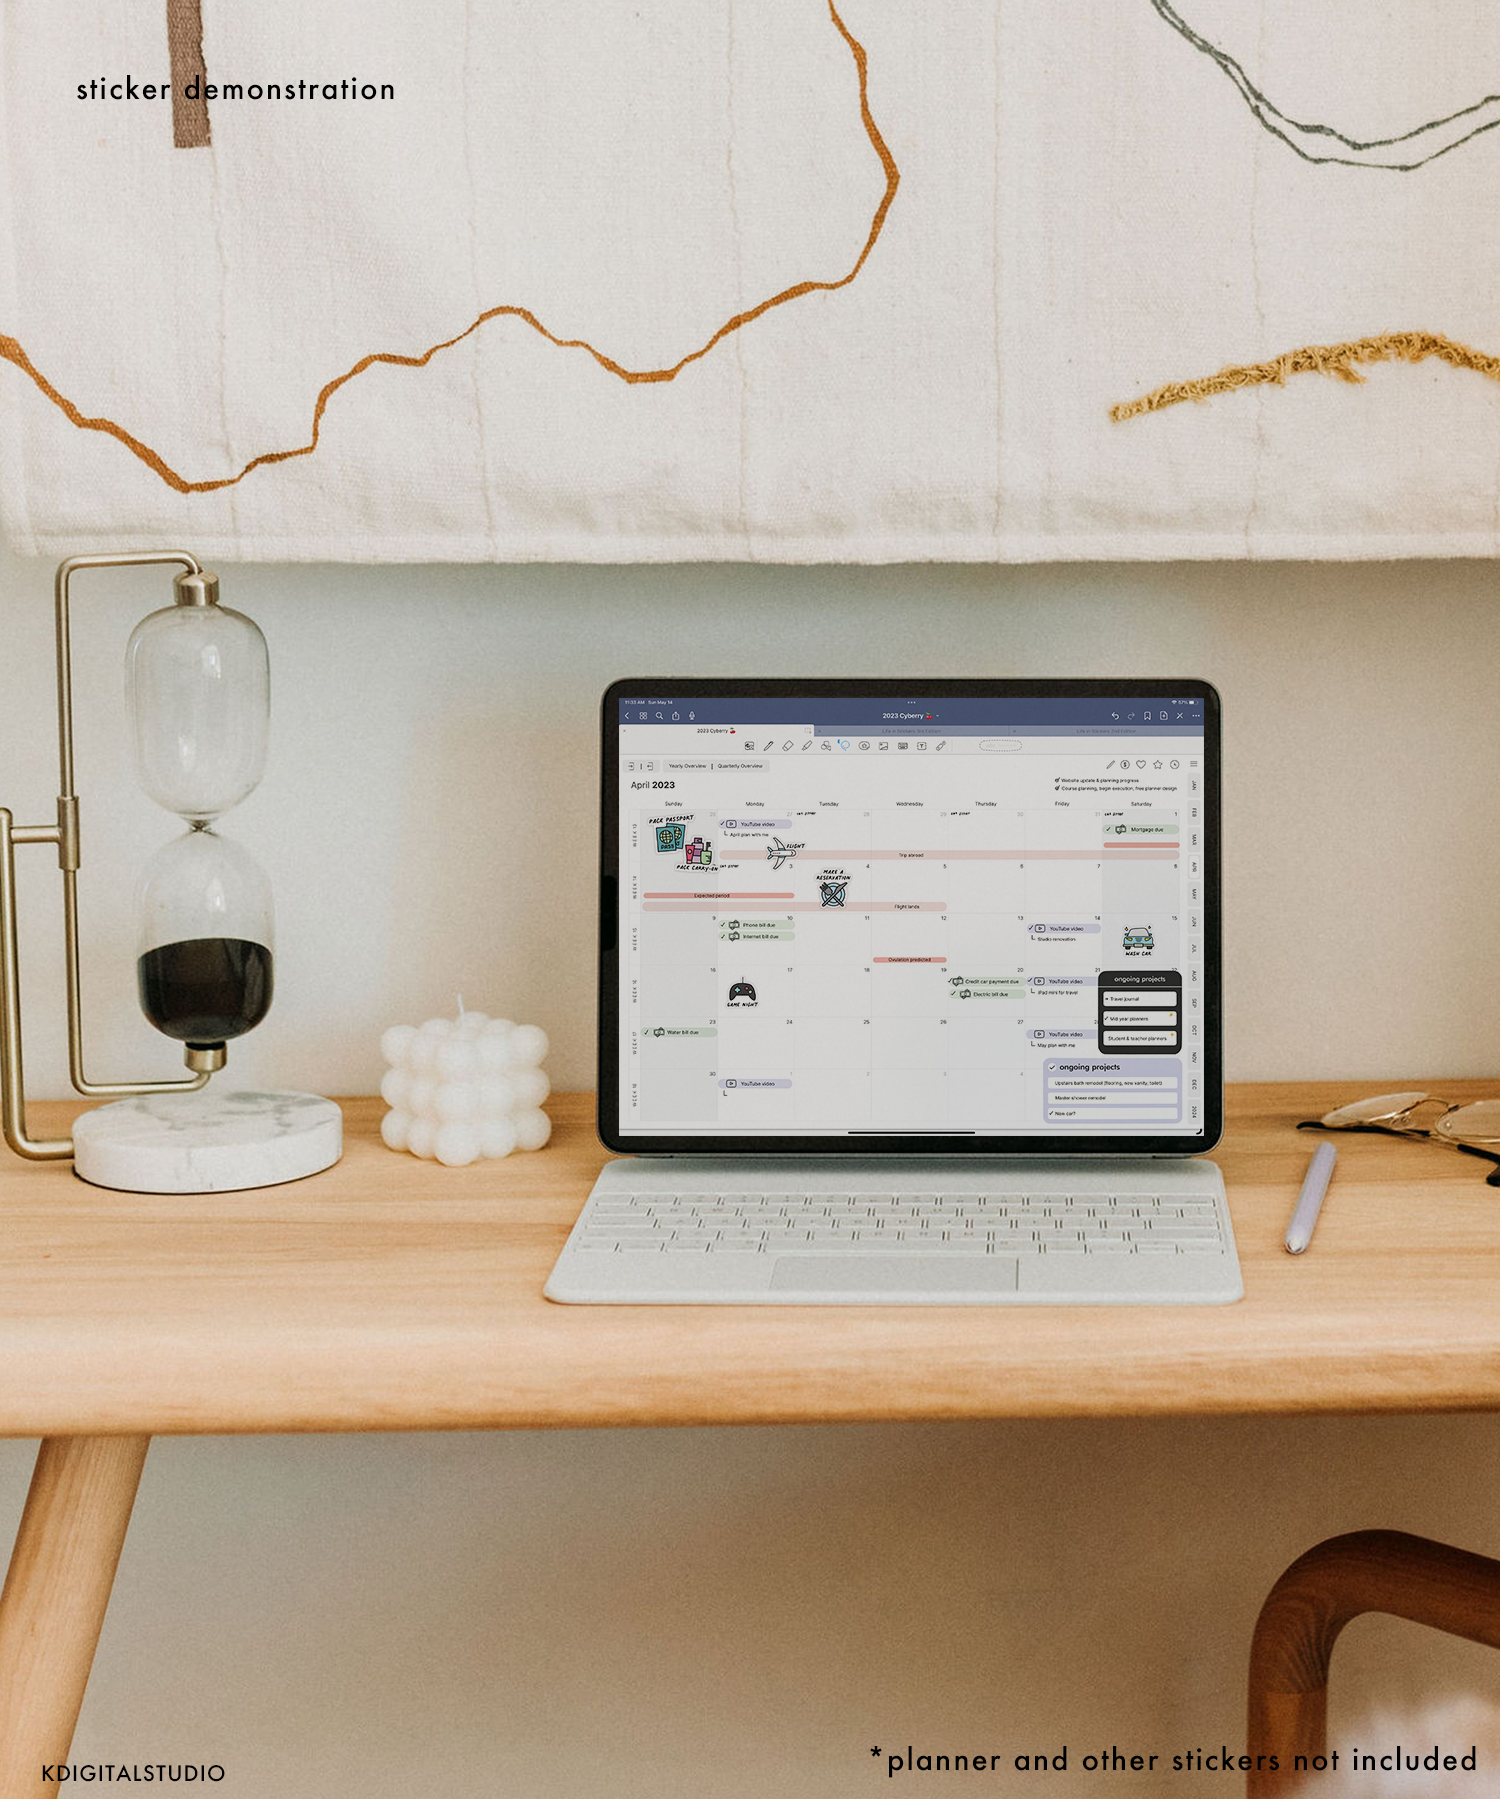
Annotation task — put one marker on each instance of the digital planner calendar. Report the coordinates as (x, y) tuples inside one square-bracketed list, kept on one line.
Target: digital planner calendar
[(866, 917)]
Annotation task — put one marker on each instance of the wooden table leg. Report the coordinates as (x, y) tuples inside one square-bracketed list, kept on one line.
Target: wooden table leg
[(55, 1597)]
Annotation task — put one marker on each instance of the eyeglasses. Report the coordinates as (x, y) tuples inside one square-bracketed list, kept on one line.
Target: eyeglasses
[(1472, 1129)]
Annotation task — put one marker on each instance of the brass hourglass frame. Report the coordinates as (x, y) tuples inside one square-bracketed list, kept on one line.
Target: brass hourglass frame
[(195, 586)]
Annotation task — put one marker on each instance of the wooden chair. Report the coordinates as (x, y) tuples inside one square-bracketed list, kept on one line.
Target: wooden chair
[(1367, 1571)]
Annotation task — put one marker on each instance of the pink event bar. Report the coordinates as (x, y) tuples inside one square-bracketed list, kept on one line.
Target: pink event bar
[(1115, 847), (717, 905)]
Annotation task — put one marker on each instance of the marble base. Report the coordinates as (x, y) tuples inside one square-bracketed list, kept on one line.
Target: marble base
[(212, 1141)]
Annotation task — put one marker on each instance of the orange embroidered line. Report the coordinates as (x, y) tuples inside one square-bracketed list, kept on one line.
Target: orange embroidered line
[(11, 351), (1316, 359)]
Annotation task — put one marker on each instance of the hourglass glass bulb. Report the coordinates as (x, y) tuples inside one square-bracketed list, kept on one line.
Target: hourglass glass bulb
[(205, 965), (198, 680)]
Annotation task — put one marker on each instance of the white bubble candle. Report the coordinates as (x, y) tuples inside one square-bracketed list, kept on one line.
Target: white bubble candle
[(461, 1089)]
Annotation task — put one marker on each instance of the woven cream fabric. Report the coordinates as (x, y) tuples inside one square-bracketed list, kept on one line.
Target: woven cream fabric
[(747, 279)]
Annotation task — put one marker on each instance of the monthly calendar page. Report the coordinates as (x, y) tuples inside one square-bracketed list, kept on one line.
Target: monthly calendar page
[(946, 918)]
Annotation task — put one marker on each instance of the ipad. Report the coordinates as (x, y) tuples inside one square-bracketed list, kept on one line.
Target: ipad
[(914, 918)]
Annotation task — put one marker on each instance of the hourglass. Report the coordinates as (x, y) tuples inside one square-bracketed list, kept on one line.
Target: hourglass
[(198, 683)]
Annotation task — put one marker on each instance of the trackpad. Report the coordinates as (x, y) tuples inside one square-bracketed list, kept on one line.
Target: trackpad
[(878, 1275)]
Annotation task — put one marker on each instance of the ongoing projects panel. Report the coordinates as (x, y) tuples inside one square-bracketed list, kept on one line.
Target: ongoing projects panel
[(863, 939)]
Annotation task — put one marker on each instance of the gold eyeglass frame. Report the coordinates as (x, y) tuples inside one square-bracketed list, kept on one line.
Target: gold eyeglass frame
[(1398, 1122)]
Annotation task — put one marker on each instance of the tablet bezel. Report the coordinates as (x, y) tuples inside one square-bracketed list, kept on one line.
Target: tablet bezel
[(914, 1144)]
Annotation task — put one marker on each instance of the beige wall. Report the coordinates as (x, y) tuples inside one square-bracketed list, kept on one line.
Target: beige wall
[(719, 1613), (428, 814)]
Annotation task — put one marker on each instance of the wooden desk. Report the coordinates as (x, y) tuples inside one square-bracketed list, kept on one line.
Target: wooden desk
[(389, 1294), (392, 1294)]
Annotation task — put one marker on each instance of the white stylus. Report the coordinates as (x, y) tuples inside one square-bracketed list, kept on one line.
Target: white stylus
[(1310, 1199)]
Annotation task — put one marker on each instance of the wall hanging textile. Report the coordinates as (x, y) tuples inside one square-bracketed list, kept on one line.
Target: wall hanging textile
[(793, 280)]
